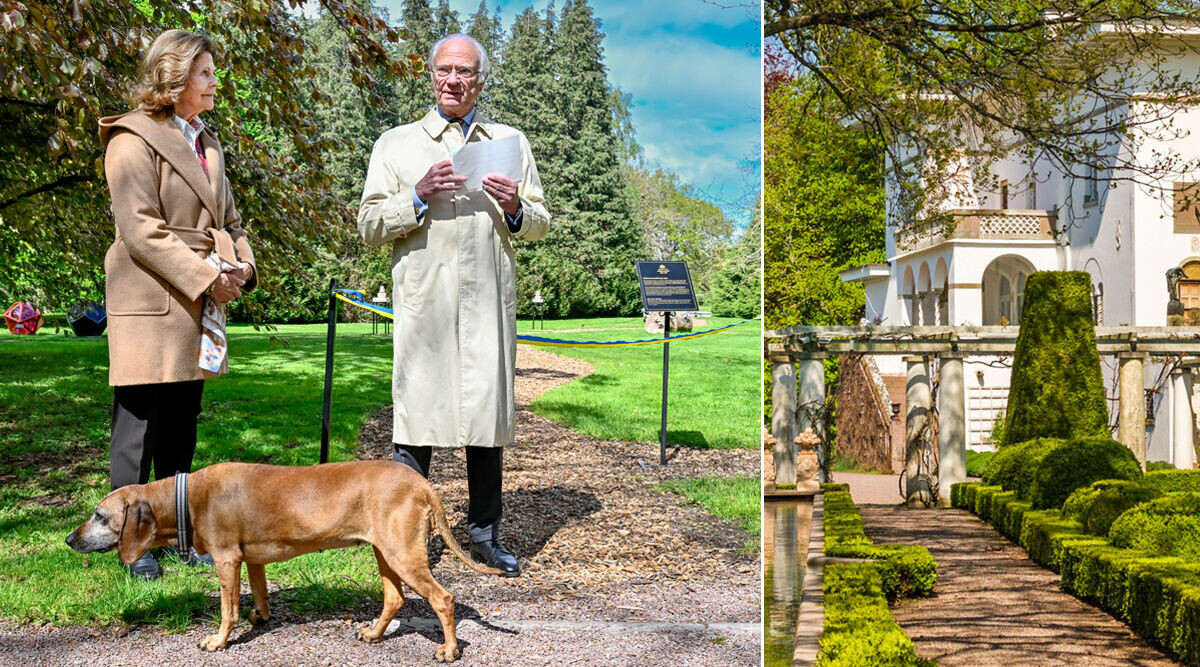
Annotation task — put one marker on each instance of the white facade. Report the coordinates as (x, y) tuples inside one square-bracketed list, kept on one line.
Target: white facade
[(1120, 227)]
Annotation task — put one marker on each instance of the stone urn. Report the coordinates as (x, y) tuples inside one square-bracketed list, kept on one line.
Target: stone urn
[(808, 468)]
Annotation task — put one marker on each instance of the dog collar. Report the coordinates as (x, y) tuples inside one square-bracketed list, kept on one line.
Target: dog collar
[(181, 514)]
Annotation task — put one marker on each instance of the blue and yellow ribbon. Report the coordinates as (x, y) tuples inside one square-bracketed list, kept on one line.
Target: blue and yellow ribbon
[(546, 342)]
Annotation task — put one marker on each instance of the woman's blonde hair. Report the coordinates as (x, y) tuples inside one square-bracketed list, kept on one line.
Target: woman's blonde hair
[(164, 71)]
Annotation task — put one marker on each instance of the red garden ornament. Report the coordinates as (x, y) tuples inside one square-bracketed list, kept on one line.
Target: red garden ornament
[(23, 318)]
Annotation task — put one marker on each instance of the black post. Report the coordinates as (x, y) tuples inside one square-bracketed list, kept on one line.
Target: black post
[(662, 446), (329, 337)]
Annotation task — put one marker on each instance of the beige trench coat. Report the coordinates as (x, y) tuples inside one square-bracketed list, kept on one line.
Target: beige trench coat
[(166, 212), (453, 294)]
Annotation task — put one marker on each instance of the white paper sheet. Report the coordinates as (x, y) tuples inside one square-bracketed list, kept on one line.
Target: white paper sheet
[(478, 159)]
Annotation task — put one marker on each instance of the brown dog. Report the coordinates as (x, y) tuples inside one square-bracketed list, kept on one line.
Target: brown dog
[(257, 514)]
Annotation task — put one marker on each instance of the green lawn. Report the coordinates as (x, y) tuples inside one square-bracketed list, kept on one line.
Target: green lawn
[(54, 413), (713, 391), (733, 498)]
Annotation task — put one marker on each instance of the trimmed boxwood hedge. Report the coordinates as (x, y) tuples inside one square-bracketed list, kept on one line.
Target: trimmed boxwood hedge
[(1095, 507), (1076, 464), (1013, 466), (1056, 388), (906, 571), (859, 628), (1173, 481), (1159, 597), (1168, 526)]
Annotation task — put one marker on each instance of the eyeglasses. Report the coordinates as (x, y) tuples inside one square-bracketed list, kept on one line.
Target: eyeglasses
[(464, 73)]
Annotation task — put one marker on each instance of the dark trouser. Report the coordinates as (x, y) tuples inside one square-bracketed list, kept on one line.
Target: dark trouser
[(485, 468), (153, 423)]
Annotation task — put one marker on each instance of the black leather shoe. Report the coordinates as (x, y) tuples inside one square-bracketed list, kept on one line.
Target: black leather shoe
[(192, 558), (145, 568), (493, 554)]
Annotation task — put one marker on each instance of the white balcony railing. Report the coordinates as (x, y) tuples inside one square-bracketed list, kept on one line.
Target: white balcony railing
[(998, 224)]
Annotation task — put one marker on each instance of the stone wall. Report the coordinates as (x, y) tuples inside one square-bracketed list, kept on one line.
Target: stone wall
[(864, 414)]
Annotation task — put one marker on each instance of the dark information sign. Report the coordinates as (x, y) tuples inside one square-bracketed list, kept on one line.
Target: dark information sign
[(666, 286)]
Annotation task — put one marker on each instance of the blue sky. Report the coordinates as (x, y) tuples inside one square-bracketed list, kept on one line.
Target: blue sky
[(693, 70)]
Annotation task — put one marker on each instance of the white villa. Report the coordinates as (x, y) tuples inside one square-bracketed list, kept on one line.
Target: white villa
[(1034, 217)]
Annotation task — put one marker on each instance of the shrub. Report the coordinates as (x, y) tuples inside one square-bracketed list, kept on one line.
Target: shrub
[(905, 570), (977, 461), (834, 486), (1173, 481), (1013, 466), (1056, 389), (1095, 507), (1168, 526), (859, 628), (1159, 465), (1076, 464), (1158, 597)]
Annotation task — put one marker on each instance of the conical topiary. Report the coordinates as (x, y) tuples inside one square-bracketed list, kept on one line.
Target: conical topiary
[(1057, 390)]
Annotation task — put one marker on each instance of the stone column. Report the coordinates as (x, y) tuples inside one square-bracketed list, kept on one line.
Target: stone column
[(810, 385), (1131, 420), (952, 426), (783, 418), (1183, 428), (917, 445)]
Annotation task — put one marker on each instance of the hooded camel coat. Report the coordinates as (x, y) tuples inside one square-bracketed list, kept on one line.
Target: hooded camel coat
[(167, 214), (454, 295)]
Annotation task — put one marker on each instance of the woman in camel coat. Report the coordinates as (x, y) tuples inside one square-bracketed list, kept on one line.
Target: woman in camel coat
[(179, 242)]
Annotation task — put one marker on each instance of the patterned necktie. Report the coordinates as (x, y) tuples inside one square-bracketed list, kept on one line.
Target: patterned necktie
[(460, 124), (200, 154)]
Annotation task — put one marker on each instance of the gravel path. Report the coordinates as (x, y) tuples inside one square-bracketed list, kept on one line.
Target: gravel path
[(993, 605), (614, 571)]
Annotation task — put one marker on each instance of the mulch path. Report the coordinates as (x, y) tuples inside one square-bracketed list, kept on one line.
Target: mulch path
[(598, 546), (581, 514), (992, 604)]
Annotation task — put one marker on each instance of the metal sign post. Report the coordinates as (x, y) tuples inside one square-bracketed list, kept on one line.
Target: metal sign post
[(667, 288), (329, 338), (662, 431)]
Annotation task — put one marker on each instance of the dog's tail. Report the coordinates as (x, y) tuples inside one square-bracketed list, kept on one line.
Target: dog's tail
[(437, 516)]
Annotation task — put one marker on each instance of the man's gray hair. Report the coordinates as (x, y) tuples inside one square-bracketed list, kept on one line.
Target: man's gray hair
[(485, 67)]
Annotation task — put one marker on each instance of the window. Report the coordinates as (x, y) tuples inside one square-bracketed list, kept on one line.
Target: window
[(1031, 193), (1187, 208), (1091, 185), (1189, 287), (1189, 294), (1003, 194), (1006, 314)]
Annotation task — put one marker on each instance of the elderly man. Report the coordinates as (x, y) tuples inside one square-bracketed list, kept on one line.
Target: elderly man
[(454, 294)]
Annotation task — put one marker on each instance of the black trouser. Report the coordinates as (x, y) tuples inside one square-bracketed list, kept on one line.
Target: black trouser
[(485, 468), (153, 423)]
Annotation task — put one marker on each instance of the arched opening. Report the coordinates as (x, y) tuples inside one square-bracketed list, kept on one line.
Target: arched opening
[(908, 296), (941, 285), (1003, 290), (926, 296)]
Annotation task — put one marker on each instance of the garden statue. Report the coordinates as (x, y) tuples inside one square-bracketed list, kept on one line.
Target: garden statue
[(1174, 306), (23, 318)]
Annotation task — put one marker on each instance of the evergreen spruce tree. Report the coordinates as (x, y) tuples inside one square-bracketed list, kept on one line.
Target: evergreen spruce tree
[(595, 211), (524, 97), (414, 97), (446, 21)]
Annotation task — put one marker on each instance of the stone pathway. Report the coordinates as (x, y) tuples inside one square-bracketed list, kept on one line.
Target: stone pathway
[(993, 605)]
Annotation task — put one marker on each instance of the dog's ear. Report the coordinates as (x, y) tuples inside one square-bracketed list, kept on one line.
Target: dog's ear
[(137, 531)]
